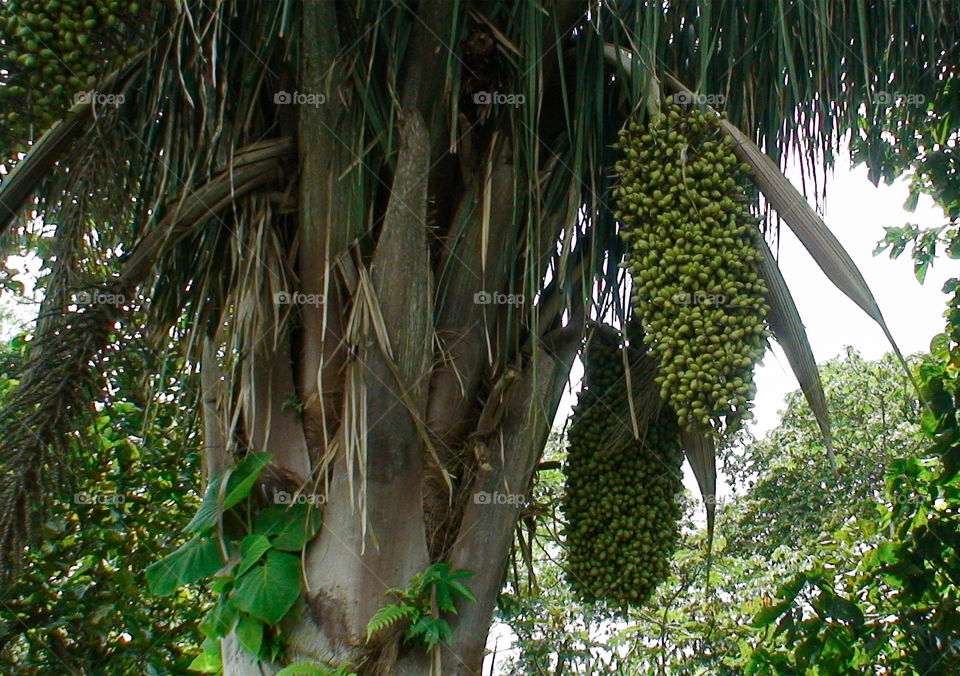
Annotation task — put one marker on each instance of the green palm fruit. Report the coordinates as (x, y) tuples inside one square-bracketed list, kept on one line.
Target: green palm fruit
[(619, 503), (716, 329)]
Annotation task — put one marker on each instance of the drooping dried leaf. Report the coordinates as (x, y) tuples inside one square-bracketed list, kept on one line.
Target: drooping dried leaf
[(787, 328)]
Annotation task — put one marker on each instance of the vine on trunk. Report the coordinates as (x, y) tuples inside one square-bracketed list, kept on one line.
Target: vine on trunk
[(252, 556)]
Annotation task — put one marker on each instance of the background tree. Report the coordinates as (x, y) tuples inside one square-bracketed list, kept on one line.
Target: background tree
[(397, 170), (786, 492)]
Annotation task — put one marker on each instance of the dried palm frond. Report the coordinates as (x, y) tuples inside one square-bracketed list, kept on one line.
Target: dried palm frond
[(787, 329), (24, 180)]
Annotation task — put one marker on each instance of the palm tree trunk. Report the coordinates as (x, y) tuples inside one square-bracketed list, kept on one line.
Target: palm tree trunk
[(386, 418)]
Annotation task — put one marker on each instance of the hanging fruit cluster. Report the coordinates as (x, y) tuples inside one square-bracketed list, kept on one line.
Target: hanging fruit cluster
[(620, 504), (692, 253), (53, 49)]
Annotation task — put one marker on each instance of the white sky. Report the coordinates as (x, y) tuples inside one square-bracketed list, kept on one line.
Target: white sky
[(857, 212)]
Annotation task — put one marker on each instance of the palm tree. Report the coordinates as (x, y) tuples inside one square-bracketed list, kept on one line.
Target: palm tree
[(395, 216)]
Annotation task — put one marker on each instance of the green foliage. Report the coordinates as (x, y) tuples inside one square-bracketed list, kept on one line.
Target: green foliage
[(239, 481), (786, 492), (924, 243), (930, 151), (914, 129), (897, 604), (79, 604), (268, 591), (289, 528), (197, 559), (414, 607), (314, 669), (388, 616), (254, 571), (208, 661)]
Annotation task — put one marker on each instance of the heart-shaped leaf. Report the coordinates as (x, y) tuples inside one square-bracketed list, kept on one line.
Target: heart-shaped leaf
[(241, 478), (270, 588), (197, 559), (289, 527)]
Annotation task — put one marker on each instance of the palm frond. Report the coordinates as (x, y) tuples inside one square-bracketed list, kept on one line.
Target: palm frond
[(787, 328)]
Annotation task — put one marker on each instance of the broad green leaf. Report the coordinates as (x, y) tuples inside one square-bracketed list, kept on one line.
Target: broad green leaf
[(304, 669), (253, 547), (219, 620), (250, 633), (831, 605), (269, 589), (768, 615), (206, 515), (289, 527), (197, 559), (207, 662), (244, 476), (241, 479), (221, 584)]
